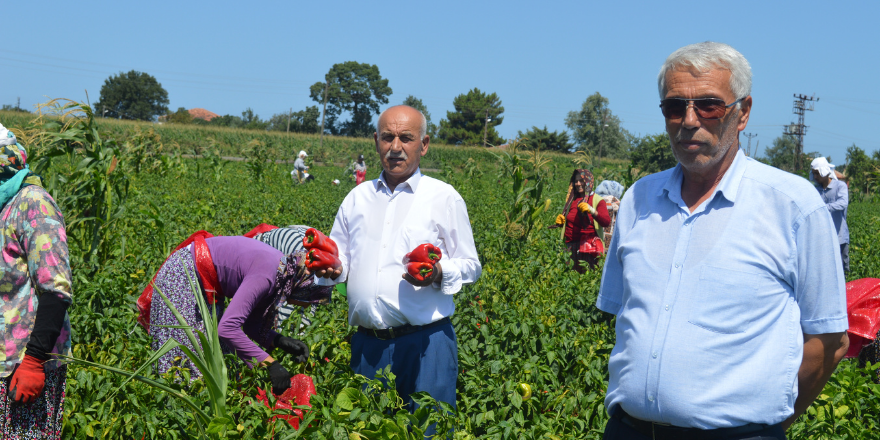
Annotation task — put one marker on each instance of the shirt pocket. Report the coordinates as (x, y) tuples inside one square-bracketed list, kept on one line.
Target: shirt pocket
[(420, 234), (726, 300)]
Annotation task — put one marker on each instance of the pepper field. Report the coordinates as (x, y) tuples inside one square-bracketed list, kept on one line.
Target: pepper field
[(529, 319)]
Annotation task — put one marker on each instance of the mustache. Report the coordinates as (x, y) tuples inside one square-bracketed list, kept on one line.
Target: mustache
[(679, 137), (396, 155)]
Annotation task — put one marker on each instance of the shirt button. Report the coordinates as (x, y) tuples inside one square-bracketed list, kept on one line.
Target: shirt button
[(654, 355), (650, 398), (676, 266), (667, 307)]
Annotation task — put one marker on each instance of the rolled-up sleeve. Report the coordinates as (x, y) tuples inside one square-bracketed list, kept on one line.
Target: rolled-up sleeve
[(820, 289), (461, 265)]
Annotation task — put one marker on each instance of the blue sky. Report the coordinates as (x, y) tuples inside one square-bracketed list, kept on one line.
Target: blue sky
[(542, 58)]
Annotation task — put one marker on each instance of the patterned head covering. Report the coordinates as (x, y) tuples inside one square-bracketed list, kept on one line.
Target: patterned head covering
[(14, 172), (586, 176), (610, 188), (13, 157), (291, 282)]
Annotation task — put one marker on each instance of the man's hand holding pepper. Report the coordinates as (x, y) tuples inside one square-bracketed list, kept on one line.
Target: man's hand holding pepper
[(435, 277), (327, 273)]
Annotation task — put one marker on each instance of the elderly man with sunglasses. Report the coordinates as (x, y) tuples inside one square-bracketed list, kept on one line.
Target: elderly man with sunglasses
[(724, 274)]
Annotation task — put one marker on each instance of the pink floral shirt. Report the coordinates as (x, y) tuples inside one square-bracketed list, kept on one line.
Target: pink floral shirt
[(35, 262)]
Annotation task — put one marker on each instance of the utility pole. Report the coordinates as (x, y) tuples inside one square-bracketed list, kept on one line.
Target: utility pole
[(602, 138), (749, 149), (288, 119), (798, 130), (486, 128), (18, 105), (326, 86)]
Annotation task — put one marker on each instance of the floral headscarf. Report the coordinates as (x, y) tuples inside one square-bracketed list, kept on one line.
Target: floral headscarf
[(587, 177), (14, 171), (292, 282)]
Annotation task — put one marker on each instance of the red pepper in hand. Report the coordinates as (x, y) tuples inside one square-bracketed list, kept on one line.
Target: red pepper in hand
[(319, 260), (420, 271), (424, 253), (314, 239), (28, 380)]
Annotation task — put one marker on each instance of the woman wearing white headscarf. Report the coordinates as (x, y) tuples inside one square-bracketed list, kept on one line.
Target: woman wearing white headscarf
[(836, 196)]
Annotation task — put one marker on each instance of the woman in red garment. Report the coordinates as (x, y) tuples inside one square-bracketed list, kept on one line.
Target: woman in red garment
[(584, 216)]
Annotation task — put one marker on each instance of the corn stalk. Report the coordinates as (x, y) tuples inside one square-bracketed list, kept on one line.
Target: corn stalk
[(528, 188), (206, 355), (85, 177)]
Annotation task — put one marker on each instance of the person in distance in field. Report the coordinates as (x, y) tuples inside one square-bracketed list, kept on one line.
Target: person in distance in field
[(403, 322), (35, 281), (584, 216), (835, 194), (256, 279), (731, 316), (360, 170), (299, 167)]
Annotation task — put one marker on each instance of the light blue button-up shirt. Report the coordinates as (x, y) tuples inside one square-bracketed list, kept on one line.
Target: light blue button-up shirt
[(836, 198), (712, 305)]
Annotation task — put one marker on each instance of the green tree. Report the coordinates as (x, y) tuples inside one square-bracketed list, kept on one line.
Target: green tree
[(464, 126), (181, 116), (417, 104), (303, 121), (252, 121), (543, 139), (781, 154), (133, 95), (596, 130), (653, 153), (356, 88), (859, 168)]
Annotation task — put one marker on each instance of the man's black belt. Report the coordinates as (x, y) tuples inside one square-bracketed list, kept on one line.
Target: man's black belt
[(403, 330), (660, 431)]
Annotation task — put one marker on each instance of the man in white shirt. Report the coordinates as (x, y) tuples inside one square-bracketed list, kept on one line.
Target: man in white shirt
[(403, 322)]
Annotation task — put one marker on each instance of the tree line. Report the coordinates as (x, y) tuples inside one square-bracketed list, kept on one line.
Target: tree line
[(353, 92)]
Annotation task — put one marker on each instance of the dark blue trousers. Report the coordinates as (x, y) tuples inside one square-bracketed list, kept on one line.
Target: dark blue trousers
[(426, 360)]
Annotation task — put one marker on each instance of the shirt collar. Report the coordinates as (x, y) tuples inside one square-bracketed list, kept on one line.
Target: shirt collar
[(728, 187), (412, 182)]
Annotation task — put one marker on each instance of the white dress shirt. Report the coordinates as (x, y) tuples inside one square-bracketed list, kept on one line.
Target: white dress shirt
[(376, 227)]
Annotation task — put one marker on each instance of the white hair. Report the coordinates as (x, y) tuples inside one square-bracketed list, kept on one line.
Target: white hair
[(706, 56), (423, 127)]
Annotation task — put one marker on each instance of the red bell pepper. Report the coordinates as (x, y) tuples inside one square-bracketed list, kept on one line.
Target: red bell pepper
[(424, 253), (420, 271), (319, 260), (314, 239)]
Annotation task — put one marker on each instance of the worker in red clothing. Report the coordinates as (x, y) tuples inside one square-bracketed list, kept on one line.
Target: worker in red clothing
[(584, 216)]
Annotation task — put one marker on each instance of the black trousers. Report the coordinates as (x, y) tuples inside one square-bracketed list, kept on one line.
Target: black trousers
[(617, 429)]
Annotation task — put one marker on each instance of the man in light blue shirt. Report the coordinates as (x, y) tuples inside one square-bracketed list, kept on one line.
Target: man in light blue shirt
[(723, 273), (835, 194)]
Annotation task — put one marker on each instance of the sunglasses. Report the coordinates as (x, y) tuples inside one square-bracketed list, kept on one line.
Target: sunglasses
[(706, 108)]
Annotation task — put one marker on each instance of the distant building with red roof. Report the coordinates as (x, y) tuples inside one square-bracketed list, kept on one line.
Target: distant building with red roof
[(200, 113)]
